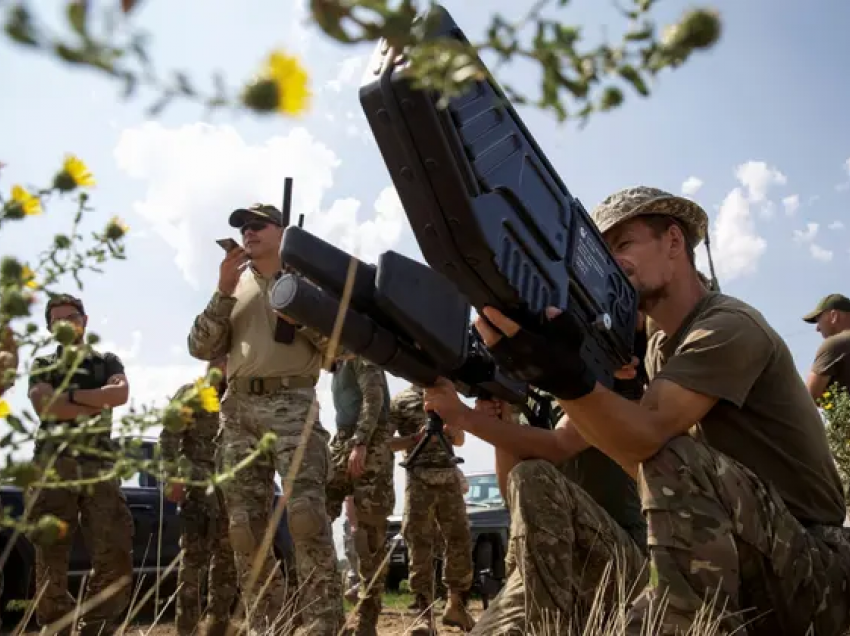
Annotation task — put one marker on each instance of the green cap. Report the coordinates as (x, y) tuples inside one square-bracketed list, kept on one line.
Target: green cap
[(258, 211), (839, 302)]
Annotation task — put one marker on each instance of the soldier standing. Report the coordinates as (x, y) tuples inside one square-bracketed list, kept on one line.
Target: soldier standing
[(363, 468), (432, 496), (832, 360), (204, 538), (273, 366), (95, 388)]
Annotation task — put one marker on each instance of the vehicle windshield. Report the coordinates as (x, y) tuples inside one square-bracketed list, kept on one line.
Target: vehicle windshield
[(483, 491)]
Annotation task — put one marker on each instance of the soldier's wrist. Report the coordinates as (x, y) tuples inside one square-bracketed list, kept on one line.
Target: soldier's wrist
[(221, 304)]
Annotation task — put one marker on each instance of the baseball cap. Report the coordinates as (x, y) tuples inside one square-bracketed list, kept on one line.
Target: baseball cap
[(259, 211), (828, 303)]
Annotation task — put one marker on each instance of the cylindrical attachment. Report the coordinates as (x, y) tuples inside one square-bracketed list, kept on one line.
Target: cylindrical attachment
[(307, 304), (327, 266)]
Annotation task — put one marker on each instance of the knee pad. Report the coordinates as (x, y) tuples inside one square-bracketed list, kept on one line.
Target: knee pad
[(306, 518)]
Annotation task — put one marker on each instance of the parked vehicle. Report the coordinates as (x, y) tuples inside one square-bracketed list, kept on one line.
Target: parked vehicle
[(489, 523), (156, 524)]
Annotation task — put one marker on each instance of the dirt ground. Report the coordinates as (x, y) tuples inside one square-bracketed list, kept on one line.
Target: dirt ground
[(395, 621)]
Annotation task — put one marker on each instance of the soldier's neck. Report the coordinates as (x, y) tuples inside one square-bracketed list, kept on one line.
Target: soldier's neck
[(266, 267), (679, 301)]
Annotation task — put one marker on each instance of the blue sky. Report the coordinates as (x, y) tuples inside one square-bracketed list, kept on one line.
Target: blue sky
[(757, 129)]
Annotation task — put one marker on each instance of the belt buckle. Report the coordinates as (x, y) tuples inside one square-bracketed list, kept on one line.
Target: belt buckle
[(256, 386)]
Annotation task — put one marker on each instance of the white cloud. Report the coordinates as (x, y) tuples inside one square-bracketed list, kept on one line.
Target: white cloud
[(791, 204), (820, 254), (757, 177), (349, 73), (807, 235), (736, 246), (196, 174), (836, 225), (691, 186)]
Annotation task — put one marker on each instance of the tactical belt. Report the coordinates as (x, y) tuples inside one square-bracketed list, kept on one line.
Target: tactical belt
[(264, 386)]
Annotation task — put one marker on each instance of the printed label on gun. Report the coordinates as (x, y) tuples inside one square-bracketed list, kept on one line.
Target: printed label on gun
[(590, 263)]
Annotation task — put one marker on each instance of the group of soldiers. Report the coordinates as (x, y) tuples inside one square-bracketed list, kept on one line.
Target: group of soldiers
[(700, 484)]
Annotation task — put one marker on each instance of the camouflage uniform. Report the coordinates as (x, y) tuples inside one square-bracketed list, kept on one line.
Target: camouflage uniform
[(432, 496), (251, 408), (569, 523), (204, 537), (101, 506), (361, 399)]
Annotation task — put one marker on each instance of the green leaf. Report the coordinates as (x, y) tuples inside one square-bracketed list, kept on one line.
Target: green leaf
[(76, 12), (631, 75)]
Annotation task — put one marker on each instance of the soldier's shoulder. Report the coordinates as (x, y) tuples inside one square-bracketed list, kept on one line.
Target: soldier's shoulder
[(407, 398)]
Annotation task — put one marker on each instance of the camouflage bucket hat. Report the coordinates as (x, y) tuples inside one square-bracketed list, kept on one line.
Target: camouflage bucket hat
[(642, 200)]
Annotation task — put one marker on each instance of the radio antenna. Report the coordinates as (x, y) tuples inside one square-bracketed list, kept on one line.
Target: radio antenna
[(287, 201)]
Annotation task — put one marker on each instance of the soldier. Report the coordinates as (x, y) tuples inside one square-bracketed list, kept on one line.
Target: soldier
[(832, 360), (533, 598), (204, 538), (273, 366), (96, 387), (432, 496), (742, 498), (363, 468)]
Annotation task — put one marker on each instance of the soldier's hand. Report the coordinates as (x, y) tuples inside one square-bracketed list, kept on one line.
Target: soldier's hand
[(357, 461), (493, 408), (175, 492), (234, 262), (442, 399)]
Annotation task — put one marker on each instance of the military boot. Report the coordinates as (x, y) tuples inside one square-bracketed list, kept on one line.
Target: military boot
[(423, 623), (456, 614)]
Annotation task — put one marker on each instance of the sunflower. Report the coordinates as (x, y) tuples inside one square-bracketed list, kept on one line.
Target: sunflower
[(282, 85), (23, 202), (74, 174)]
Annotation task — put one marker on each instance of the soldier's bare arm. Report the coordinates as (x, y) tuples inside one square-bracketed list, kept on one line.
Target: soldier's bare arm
[(829, 356), (370, 379)]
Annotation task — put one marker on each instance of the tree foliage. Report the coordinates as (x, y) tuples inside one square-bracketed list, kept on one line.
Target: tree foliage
[(835, 404)]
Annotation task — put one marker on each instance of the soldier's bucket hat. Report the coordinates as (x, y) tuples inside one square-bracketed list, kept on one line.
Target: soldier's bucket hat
[(257, 211), (629, 203), (828, 303)]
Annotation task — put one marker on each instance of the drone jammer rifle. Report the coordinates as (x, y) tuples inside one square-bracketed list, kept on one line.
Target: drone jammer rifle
[(488, 209)]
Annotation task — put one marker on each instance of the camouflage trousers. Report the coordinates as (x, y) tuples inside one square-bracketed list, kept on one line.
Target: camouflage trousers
[(725, 549), (564, 551), (100, 511), (434, 506), (374, 500), (207, 554), (245, 419)]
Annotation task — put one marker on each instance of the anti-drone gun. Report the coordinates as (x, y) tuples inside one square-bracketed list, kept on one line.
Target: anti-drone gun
[(402, 315), (488, 209)]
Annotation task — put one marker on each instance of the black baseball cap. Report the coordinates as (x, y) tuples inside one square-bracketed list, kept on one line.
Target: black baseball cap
[(828, 303), (258, 211)]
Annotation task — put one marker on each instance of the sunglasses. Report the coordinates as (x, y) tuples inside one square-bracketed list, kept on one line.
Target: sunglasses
[(254, 226)]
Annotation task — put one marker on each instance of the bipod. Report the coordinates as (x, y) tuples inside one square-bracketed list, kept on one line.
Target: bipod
[(433, 428)]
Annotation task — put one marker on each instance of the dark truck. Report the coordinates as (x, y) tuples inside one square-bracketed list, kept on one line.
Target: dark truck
[(144, 499), (489, 523)]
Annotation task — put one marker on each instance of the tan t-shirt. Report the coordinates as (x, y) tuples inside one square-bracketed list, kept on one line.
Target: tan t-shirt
[(253, 350), (832, 359), (765, 418)]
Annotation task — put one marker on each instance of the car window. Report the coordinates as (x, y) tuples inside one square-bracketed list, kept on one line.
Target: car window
[(483, 490), (133, 481)]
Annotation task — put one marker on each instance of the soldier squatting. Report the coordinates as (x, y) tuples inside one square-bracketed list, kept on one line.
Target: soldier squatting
[(701, 482)]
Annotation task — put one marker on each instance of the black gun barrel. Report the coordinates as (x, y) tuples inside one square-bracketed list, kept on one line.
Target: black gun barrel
[(306, 303), (327, 266)]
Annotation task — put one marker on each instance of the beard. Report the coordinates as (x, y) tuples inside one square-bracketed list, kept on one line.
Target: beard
[(649, 297)]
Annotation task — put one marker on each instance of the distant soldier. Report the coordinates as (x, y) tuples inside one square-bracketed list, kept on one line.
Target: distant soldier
[(97, 386), (363, 467), (432, 496), (832, 360), (204, 536), (273, 366)]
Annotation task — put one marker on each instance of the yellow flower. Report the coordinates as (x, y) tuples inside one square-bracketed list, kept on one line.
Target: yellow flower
[(29, 204), (116, 228), (826, 394), (827, 407), (282, 85), (28, 277), (209, 399), (5, 411), (74, 174)]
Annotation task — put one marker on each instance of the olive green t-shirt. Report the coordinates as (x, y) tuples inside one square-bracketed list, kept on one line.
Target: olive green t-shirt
[(832, 359), (765, 418)]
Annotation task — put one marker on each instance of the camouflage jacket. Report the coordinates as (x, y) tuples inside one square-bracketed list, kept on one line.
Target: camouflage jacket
[(407, 416), (193, 449), (361, 400)]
